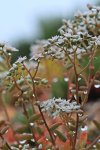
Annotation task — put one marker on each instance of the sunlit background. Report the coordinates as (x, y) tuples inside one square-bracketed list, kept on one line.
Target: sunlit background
[(20, 19), (22, 22)]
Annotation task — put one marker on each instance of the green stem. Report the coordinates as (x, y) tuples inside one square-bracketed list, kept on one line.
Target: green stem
[(90, 146), (5, 142)]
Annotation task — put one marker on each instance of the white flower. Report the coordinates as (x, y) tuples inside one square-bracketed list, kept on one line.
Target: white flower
[(55, 106), (78, 14), (98, 41), (61, 31), (37, 51), (60, 41), (64, 21), (2, 44), (40, 147), (53, 39), (21, 59), (67, 35), (15, 66), (37, 56), (31, 65), (3, 74), (85, 128), (8, 48)]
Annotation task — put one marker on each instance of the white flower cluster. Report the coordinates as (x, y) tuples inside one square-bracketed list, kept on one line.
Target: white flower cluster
[(7, 48), (21, 59), (37, 51), (24, 147), (14, 67), (55, 106), (81, 35)]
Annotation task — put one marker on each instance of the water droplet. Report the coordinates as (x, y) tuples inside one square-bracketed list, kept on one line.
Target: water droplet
[(40, 146), (94, 146), (85, 92), (97, 85), (55, 134), (31, 124), (75, 96), (33, 140), (99, 140), (20, 146), (70, 88), (6, 131), (33, 95), (22, 142), (74, 132), (79, 79), (46, 139), (84, 128), (66, 79), (80, 115), (55, 80)]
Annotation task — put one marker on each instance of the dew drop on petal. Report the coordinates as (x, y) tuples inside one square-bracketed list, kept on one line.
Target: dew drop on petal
[(55, 80), (97, 85), (94, 146), (66, 79), (46, 139), (99, 140), (31, 124), (84, 128), (79, 79), (85, 92), (22, 142)]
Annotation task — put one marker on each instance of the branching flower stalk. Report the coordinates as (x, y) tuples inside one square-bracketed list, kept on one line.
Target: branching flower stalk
[(8, 146), (26, 113), (35, 96), (56, 123)]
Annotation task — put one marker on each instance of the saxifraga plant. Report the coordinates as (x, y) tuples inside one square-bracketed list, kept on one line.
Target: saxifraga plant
[(56, 123)]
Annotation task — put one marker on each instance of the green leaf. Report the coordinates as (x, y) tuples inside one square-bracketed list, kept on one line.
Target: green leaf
[(4, 147), (2, 122), (54, 126), (61, 136), (24, 136), (20, 118), (4, 130), (97, 124), (98, 145), (34, 118), (21, 129), (39, 130)]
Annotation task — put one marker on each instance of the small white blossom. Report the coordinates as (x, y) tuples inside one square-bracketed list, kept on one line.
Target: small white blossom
[(98, 41), (55, 106), (21, 59), (85, 128), (14, 66), (61, 31), (64, 21), (3, 74), (2, 44), (60, 41), (9, 48), (67, 35), (40, 147), (37, 56), (53, 39)]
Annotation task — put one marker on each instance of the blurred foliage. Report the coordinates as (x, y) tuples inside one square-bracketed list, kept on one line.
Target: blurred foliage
[(59, 88), (24, 78), (24, 49), (49, 27)]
